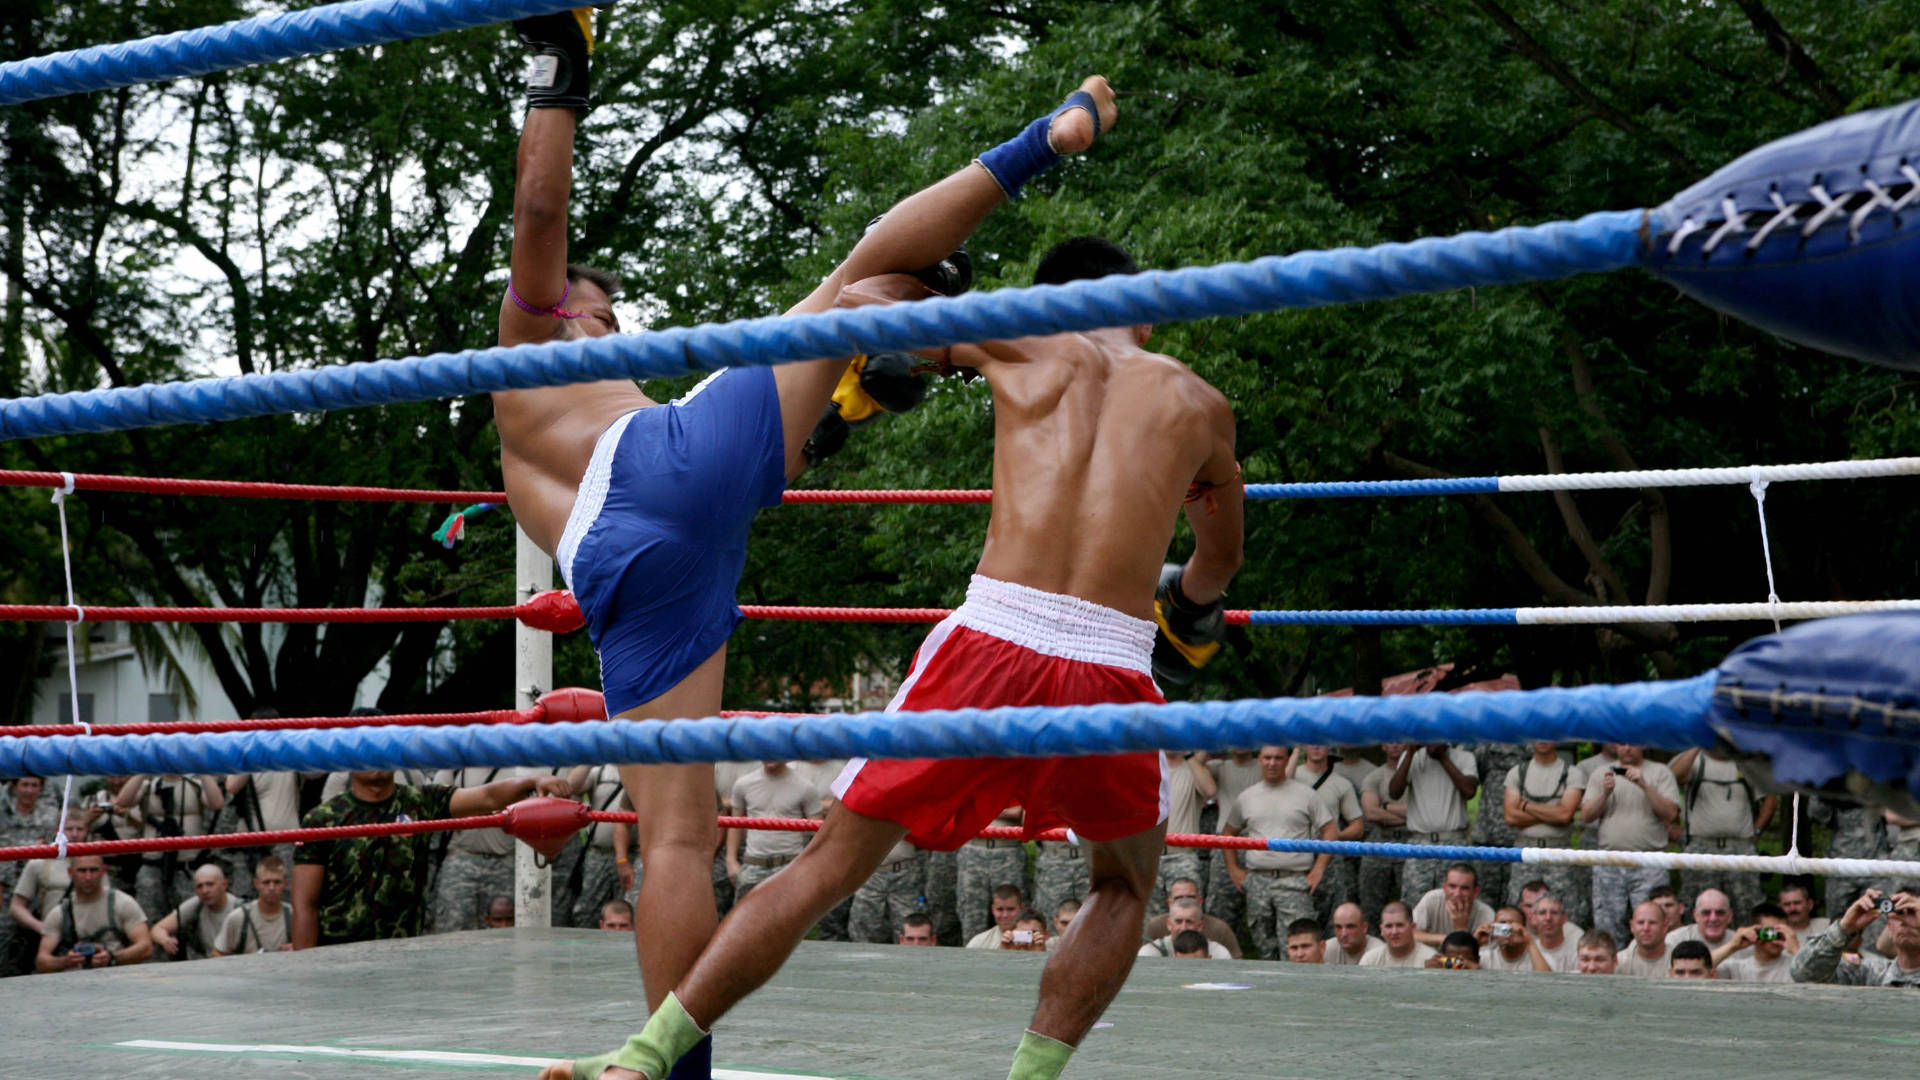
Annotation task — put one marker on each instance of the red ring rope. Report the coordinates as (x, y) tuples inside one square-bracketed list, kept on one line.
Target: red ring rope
[(251, 489), (537, 714), (62, 613), (500, 820)]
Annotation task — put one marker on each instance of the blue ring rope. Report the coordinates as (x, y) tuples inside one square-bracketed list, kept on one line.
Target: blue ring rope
[(1597, 242), (1413, 617), (1358, 489), (1453, 852), (252, 41), (1663, 714)]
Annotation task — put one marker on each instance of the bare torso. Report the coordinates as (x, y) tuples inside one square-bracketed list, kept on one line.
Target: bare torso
[(1095, 444), (547, 438)]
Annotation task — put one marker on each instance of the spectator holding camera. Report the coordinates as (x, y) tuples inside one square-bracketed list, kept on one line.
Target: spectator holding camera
[(1458, 952), (1822, 959), (1507, 945), (1005, 909), (1398, 948), (1647, 956), (43, 883), (1436, 780), (1628, 806), (1772, 943), (1029, 933), (95, 926)]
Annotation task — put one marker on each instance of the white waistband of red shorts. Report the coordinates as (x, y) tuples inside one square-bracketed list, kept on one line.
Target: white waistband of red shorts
[(1054, 624)]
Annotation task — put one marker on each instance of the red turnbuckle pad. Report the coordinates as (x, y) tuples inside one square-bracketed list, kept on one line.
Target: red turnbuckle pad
[(546, 824), (554, 611), (571, 704)]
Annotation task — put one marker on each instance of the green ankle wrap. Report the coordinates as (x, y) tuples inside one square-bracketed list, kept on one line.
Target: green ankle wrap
[(1039, 1058), (669, 1034)]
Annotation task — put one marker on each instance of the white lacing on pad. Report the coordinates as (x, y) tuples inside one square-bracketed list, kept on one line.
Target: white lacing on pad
[(1054, 624), (73, 659), (592, 497), (1821, 208)]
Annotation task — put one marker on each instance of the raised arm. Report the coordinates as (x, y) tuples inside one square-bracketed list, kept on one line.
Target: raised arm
[(557, 89), (931, 224)]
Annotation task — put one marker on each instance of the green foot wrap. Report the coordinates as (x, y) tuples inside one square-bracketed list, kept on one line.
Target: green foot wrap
[(1039, 1058), (669, 1034)]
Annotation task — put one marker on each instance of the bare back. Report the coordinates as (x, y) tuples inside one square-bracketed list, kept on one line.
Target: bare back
[(1096, 444)]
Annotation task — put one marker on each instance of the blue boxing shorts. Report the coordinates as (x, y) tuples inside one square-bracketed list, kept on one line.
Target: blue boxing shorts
[(657, 539)]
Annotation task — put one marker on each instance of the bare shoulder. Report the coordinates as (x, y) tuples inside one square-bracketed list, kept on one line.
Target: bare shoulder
[(1187, 390)]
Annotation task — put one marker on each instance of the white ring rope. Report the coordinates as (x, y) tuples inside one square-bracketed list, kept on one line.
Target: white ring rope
[(1683, 860), (1819, 470), (73, 660), (1653, 613)]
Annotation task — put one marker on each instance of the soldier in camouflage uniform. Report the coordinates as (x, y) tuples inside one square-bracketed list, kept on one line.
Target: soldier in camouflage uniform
[(1276, 882), (1718, 807), (1824, 957), (943, 886), (479, 862), (25, 818), (601, 847), (882, 903), (1379, 882), (1546, 782), (373, 887), (983, 866), (1858, 833), (1232, 775), (1490, 828), (1059, 875)]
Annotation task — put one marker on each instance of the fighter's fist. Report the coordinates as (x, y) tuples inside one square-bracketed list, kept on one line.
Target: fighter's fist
[(1189, 634), (560, 44)]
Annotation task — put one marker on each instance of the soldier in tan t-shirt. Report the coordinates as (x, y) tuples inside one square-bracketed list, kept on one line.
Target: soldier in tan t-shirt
[(1232, 774), (1647, 956), (1189, 785), (1723, 816), (1314, 766), (1279, 886), (1350, 942), (1630, 804), (1386, 824), (95, 926), (1398, 948), (1436, 781), (773, 791)]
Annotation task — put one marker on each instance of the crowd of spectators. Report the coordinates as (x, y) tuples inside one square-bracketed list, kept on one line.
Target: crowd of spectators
[(84, 911)]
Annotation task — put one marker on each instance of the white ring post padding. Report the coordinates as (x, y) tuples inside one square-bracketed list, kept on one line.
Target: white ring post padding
[(1744, 474), (532, 676), (1683, 860), (1652, 613)]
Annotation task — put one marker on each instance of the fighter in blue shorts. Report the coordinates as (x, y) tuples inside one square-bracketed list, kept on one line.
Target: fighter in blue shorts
[(646, 505)]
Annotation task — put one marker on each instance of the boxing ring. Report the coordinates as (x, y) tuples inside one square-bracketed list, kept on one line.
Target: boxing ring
[(1771, 239), (495, 1002)]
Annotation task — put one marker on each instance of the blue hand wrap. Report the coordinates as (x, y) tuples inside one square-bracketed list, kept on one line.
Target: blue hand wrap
[(1028, 154)]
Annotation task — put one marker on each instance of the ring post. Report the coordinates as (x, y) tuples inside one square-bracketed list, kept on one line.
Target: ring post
[(532, 676)]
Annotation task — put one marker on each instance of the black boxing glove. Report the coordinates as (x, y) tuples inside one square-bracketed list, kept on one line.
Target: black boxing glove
[(894, 381), (1188, 635), (829, 435), (561, 45), (950, 276)]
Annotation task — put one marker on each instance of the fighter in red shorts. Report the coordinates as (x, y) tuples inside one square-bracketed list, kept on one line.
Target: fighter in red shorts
[(1098, 445)]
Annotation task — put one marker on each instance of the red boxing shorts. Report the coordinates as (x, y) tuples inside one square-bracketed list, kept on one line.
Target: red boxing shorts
[(1012, 645)]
